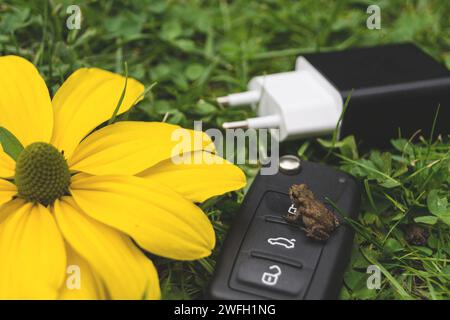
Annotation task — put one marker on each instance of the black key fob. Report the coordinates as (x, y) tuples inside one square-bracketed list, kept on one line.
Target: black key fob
[(265, 257)]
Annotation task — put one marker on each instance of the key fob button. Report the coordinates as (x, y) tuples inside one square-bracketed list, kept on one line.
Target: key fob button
[(283, 240), (273, 276), (275, 202)]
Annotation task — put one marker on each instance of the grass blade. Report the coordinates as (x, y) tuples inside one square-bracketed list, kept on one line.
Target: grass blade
[(122, 96)]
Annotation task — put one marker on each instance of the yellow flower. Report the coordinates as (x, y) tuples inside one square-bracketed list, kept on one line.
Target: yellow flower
[(87, 200)]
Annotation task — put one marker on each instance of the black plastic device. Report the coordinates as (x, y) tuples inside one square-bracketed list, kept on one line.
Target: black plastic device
[(264, 257), (396, 88)]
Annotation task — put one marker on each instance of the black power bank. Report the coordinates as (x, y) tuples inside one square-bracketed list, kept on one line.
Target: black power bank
[(396, 90)]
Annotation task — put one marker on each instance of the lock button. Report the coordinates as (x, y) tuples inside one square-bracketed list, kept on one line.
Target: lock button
[(273, 276)]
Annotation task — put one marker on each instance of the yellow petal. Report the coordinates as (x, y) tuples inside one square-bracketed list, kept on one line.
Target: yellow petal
[(157, 218), (202, 176), (131, 147), (124, 269), (10, 207), (82, 283), (7, 165), (25, 105), (7, 191), (85, 100), (32, 253)]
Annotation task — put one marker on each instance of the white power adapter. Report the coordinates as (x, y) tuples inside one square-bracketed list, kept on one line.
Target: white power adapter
[(396, 87), (300, 103)]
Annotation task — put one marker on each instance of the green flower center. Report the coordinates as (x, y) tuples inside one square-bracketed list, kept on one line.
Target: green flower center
[(42, 173)]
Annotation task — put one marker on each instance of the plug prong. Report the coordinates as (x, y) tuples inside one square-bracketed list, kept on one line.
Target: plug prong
[(239, 99), (269, 122), (235, 125), (223, 101)]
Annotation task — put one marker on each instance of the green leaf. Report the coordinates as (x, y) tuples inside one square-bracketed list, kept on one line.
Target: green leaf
[(403, 145), (204, 108), (370, 218), (389, 183), (171, 30), (354, 279), (302, 150), (392, 245), (15, 19), (186, 45), (349, 148), (194, 71), (438, 206), (426, 251), (10, 144), (426, 219), (371, 170)]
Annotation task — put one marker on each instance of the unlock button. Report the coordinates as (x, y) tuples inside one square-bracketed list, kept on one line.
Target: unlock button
[(271, 278), (271, 275)]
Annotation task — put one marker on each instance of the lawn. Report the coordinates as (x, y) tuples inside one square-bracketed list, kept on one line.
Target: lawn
[(196, 51)]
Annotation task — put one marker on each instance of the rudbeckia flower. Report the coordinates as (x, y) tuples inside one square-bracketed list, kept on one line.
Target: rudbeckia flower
[(75, 197)]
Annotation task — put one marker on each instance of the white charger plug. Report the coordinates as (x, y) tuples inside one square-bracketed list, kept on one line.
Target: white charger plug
[(300, 103), (395, 89)]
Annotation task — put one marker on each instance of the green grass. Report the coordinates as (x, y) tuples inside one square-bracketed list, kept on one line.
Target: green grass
[(198, 50)]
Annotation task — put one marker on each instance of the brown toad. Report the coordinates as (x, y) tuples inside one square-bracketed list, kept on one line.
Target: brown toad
[(318, 220), (416, 235)]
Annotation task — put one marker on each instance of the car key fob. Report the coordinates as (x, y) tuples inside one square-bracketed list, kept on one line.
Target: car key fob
[(265, 257)]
